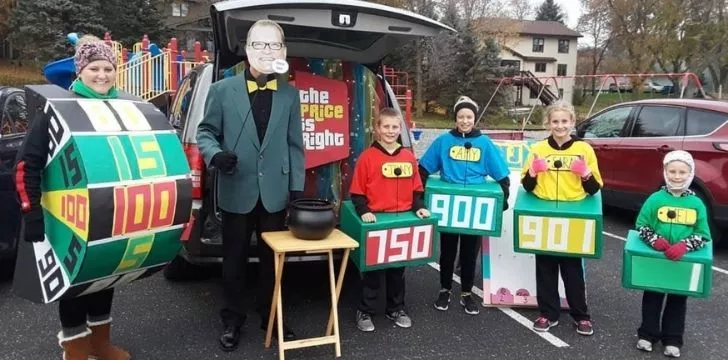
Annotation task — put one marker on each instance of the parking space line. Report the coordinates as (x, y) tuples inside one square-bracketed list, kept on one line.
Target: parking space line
[(715, 268), (555, 341)]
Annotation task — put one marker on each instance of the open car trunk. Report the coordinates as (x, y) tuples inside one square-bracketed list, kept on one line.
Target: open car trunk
[(346, 30)]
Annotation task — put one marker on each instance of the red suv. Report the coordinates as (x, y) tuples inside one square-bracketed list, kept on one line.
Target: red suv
[(631, 138)]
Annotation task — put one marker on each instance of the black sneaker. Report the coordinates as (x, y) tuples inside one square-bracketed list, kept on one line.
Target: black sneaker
[(469, 304), (443, 300)]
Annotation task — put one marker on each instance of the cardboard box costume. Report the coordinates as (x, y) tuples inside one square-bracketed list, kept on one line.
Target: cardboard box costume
[(116, 195)]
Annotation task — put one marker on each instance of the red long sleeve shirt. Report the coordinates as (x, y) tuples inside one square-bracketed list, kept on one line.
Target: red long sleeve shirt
[(375, 178)]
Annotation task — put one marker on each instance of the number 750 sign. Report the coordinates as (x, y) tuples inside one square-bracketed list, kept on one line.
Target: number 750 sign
[(402, 244)]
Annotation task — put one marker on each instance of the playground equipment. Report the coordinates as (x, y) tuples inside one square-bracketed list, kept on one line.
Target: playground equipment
[(399, 82), (547, 96), (147, 72)]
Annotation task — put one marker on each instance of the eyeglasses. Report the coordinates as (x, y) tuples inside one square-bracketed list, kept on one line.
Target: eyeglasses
[(259, 45)]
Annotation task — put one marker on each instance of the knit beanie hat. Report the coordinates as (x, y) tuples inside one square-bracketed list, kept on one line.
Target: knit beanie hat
[(89, 49), (464, 102), (685, 157)]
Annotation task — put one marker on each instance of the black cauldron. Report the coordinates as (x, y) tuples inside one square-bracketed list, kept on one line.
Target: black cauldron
[(311, 219)]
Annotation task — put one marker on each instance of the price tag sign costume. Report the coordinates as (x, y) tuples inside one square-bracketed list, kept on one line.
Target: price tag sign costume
[(398, 238), (677, 220), (558, 217), (468, 203)]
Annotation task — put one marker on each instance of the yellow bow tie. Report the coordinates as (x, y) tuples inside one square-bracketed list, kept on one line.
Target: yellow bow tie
[(270, 85)]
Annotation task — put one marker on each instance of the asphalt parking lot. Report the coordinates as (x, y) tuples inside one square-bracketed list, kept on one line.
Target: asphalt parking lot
[(157, 319)]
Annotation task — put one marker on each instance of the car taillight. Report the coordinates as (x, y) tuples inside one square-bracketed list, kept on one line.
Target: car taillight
[(197, 169), (721, 146)]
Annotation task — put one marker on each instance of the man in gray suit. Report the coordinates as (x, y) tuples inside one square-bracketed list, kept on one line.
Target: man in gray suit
[(260, 167)]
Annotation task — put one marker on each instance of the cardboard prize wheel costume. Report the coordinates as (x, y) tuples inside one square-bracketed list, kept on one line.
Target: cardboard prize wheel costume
[(116, 195)]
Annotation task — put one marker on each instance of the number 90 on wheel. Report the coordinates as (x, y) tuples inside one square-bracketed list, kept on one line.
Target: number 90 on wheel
[(564, 228)]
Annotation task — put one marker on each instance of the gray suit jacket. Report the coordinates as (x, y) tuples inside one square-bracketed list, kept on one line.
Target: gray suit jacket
[(269, 170)]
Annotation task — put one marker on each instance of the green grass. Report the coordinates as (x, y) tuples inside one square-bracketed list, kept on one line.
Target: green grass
[(608, 99), (501, 121), (19, 76)]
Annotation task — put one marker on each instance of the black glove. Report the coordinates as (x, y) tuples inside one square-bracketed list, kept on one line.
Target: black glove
[(225, 161), (34, 225)]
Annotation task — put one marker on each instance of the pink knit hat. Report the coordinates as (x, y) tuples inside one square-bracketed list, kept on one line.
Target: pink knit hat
[(91, 51)]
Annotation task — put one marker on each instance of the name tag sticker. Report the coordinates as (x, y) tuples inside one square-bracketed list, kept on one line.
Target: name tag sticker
[(462, 154), (681, 216), (397, 170)]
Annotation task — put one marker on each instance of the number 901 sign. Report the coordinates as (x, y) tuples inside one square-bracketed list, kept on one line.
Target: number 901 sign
[(557, 234)]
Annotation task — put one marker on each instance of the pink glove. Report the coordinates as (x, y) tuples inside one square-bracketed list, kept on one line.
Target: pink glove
[(675, 252), (537, 166), (579, 168), (661, 244)]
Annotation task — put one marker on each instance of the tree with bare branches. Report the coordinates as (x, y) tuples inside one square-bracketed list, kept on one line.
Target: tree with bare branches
[(594, 22)]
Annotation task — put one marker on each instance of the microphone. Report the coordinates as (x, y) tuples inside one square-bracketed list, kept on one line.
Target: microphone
[(468, 145), (671, 214), (557, 164), (397, 173)]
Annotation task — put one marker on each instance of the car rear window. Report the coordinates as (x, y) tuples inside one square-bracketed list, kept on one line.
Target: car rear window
[(657, 121), (703, 122)]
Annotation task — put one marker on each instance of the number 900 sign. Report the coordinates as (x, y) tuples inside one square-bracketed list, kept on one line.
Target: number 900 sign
[(564, 235), (464, 212)]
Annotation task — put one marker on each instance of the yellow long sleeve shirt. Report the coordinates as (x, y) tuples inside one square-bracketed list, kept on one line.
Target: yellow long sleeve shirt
[(570, 185)]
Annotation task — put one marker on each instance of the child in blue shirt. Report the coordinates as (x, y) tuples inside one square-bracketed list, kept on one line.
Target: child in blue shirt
[(483, 159)]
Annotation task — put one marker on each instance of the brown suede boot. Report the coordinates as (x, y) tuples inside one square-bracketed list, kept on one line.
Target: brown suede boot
[(101, 348), (75, 347)]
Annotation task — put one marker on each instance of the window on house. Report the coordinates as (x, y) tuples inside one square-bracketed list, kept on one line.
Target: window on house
[(180, 9), (561, 70), (561, 94), (538, 45), (564, 46), (540, 67)]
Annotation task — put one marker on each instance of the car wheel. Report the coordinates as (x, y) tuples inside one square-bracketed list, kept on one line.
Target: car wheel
[(715, 231), (181, 270)]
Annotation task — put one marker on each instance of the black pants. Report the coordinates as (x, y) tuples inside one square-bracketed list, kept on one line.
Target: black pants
[(547, 286), (371, 281), (75, 312), (237, 230), (469, 248), (673, 318)]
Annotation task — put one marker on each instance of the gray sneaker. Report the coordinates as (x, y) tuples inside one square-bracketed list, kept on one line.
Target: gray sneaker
[(400, 318), (364, 322), (672, 351), (644, 345)]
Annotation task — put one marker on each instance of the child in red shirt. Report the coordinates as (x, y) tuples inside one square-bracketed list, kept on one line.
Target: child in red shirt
[(395, 187)]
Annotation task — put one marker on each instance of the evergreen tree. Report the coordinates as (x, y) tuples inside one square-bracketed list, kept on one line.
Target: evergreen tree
[(39, 28), (550, 11), (129, 20)]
